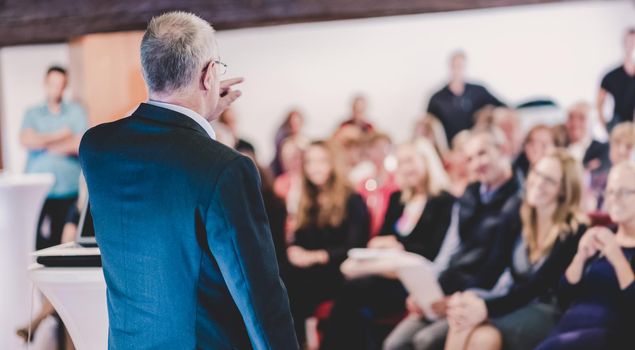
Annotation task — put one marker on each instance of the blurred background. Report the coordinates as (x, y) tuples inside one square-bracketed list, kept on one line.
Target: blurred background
[(316, 58), (556, 49)]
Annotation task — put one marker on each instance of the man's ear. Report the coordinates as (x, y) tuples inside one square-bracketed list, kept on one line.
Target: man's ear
[(207, 77)]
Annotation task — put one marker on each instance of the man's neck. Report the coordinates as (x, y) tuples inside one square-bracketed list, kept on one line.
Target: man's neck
[(54, 106), (175, 99), (457, 87), (505, 175)]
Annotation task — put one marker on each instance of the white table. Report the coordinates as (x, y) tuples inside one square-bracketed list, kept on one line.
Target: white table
[(21, 199), (79, 296)]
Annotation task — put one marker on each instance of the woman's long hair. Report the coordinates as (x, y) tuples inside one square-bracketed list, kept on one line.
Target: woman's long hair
[(325, 206), (566, 218), (436, 179)]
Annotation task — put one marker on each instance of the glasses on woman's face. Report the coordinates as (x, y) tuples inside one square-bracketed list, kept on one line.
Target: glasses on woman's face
[(618, 194), (550, 180)]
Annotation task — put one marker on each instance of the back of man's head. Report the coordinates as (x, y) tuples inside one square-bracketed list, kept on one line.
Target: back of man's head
[(175, 46)]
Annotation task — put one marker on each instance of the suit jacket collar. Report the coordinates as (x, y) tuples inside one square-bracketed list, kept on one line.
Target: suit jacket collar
[(167, 116)]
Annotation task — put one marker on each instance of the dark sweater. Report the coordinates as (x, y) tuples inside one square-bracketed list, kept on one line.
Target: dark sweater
[(351, 233), (480, 227), (601, 312), (428, 234)]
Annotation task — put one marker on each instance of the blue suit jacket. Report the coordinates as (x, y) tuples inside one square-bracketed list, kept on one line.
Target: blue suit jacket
[(185, 242)]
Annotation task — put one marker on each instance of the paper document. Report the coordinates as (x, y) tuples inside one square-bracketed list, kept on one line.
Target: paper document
[(418, 275), (373, 253)]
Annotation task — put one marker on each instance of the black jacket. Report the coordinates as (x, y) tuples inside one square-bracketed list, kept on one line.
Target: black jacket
[(480, 226), (351, 233), (428, 234)]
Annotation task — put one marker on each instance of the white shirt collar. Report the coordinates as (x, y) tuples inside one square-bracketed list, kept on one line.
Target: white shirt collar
[(188, 112)]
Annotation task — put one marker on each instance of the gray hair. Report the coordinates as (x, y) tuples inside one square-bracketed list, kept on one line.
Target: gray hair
[(492, 134), (174, 48)]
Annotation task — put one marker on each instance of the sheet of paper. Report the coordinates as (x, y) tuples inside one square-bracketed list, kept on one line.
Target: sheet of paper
[(417, 274), (372, 253)]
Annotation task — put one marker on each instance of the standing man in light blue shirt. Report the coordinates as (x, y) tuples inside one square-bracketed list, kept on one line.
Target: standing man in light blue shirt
[(51, 132)]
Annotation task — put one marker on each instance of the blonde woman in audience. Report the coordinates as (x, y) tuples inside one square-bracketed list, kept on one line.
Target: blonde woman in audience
[(545, 243), (599, 281), (416, 221), (377, 187), (331, 219), (480, 223), (288, 185)]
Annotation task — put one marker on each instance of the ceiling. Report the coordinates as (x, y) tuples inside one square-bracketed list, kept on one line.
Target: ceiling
[(41, 21)]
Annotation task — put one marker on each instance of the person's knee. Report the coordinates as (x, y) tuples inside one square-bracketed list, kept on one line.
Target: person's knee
[(428, 340), (485, 338), (394, 342)]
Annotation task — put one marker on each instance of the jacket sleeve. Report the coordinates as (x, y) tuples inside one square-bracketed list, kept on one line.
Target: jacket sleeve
[(239, 238)]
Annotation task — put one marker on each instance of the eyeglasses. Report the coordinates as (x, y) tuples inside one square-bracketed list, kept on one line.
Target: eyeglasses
[(222, 67), (618, 194), (546, 178)]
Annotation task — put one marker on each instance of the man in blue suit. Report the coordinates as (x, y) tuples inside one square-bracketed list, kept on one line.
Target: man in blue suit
[(185, 242)]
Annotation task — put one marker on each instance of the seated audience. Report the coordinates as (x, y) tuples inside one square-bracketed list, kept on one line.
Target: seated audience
[(484, 213), (598, 283), (291, 128), (546, 242), (456, 164), (288, 185), (621, 146), (377, 188), (358, 116), (332, 219), (506, 119), (592, 153), (431, 129), (417, 220)]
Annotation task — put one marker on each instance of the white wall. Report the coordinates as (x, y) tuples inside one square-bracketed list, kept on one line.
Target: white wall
[(22, 70), (558, 50)]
